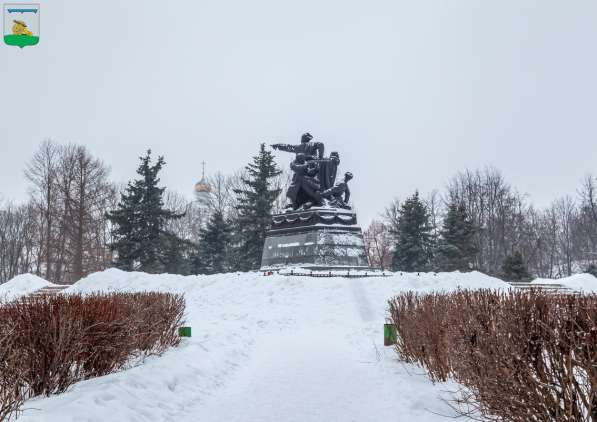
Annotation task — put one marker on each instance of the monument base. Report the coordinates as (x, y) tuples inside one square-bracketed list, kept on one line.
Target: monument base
[(318, 239)]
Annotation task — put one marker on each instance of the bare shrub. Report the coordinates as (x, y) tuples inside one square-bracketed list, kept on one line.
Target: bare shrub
[(10, 376), (521, 356), (47, 343)]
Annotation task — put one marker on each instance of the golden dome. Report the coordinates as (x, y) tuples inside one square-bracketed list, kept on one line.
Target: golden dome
[(202, 186), (202, 189)]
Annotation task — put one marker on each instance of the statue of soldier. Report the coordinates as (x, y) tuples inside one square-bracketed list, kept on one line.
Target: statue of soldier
[(310, 149), (339, 195), (304, 188)]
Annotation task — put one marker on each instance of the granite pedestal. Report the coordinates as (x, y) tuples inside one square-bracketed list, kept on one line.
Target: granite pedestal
[(317, 239)]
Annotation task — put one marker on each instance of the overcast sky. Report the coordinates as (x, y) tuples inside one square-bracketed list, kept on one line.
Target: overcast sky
[(408, 92)]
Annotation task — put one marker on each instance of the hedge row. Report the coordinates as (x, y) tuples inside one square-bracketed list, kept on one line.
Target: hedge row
[(48, 343), (521, 356)]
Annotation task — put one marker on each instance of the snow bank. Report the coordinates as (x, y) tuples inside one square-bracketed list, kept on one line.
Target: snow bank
[(266, 348), (21, 285), (580, 282)]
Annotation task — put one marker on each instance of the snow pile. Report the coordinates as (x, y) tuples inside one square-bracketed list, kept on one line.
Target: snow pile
[(21, 285), (579, 282), (266, 348)]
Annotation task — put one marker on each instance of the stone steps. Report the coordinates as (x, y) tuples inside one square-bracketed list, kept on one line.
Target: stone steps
[(49, 290), (548, 288)]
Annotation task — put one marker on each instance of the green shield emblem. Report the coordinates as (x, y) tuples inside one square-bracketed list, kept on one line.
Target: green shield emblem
[(21, 24)]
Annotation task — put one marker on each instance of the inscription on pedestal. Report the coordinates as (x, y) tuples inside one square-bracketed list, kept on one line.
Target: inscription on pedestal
[(307, 240)]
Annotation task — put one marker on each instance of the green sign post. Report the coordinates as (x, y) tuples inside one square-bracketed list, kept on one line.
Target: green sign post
[(184, 331), (390, 335)]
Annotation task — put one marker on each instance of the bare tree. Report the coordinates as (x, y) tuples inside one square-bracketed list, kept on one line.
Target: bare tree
[(71, 191), (41, 172), (378, 245), (84, 188), (565, 211), (282, 182), (391, 215), (587, 235), (234, 183), (222, 197), (18, 240), (538, 243), (588, 194), (194, 216), (496, 210)]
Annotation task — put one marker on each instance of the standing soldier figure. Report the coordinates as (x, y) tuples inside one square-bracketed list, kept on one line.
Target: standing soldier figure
[(304, 188), (311, 150)]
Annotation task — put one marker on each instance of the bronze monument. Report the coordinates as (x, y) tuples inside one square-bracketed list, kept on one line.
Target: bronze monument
[(318, 229)]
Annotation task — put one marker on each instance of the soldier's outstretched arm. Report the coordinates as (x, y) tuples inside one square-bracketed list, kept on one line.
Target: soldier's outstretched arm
[(285, 147)]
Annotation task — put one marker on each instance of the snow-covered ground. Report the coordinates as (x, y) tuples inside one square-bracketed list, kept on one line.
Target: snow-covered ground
[(579, 282), (270, 348), (22, 285)]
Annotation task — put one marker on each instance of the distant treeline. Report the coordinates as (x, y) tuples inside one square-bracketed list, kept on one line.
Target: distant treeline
[(77, 221), (480, 222)]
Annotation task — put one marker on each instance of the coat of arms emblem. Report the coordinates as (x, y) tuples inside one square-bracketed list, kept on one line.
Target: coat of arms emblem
[(21, 24)]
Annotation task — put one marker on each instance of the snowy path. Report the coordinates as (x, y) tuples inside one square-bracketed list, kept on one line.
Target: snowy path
[(297, 379), (265, 349)]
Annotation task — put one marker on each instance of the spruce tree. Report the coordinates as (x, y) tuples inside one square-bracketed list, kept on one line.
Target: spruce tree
[(141, 243), (255, 203), (514, 268), (178, 255), (456, 248), (214, 245), (414, 244)]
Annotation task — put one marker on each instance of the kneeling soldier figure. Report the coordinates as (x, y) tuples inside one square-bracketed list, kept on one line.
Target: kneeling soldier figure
[(339, 195)]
